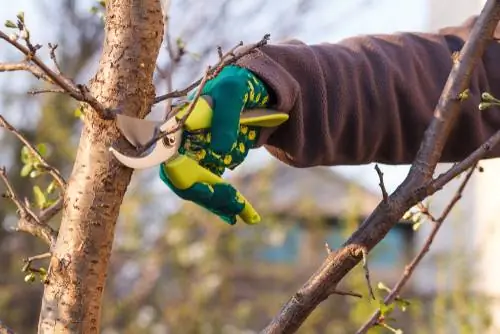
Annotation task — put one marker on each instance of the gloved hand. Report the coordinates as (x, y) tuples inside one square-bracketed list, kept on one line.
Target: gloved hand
[(226, 144)]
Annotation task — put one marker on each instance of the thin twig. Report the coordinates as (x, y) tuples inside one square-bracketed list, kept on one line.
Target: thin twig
[(28, 222), (347, 293), (181, 122), (53, 48), (24, 66), (28, 261), (418, 258), (47, 214), (51, 169), (78, 92), (43, 91), (222, 63), (364, 253), (381, 183)]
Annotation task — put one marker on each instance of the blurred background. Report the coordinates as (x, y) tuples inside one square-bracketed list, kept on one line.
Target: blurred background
[(178, 269)]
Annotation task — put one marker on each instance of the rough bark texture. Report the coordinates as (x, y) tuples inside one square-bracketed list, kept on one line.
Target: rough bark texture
[(78, 268)]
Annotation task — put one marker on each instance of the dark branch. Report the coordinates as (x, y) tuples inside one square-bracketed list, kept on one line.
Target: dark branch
[(381, 183), (347, 293), (408, 194), (364, 254)]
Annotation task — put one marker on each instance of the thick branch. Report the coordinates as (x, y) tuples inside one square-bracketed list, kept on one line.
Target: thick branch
[(409, 193), (49, 168), (408, 272), (29, 222), (78, 92)]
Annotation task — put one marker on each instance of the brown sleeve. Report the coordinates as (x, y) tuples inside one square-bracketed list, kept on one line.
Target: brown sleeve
[(370, 98)]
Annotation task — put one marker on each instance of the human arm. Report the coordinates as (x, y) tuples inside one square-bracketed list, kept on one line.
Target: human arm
[(370, 98)]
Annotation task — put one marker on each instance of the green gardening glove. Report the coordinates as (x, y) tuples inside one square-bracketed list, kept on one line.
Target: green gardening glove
[(226, 144)]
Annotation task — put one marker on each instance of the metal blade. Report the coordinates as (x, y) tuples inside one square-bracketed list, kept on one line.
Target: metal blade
[(137, 131), (160, 152)]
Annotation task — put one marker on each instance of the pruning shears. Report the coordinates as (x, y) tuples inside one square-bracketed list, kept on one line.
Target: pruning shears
[(182, 170)]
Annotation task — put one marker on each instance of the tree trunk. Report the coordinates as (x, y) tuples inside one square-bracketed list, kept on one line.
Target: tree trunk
[(78, 268)]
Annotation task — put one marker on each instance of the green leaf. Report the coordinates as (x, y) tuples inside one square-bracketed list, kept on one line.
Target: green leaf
[(40, 198), (51, 187), (30, 278), (382, 286), (10, 24), (42, 149), (78, 113), (20, 16), (416, 226), (35, 173), (25, 155), (403, 304), (26, 170), (385, 310)]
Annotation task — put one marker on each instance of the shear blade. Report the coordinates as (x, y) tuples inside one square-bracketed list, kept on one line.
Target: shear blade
[(138, 132), (159, 152)]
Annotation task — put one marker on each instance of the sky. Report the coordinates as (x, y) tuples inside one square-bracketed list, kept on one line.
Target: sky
[(330, 21)]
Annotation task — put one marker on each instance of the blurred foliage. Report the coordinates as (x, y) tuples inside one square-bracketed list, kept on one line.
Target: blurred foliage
[(175, 267)]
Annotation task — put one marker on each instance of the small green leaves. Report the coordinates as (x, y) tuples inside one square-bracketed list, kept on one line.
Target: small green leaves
[(42, 149), (42, 273), (78, 113), (385, 310), (30, 278), (464, 95), (488, 101), (402, 303), (20, 17), (40, 198), (32, 166), (10, 24), (51, 187), (25, 171)]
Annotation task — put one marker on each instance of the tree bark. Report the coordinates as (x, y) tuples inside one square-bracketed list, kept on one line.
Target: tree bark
[(78, 268)]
